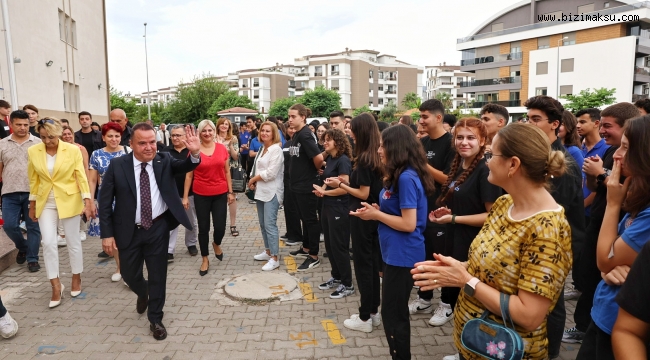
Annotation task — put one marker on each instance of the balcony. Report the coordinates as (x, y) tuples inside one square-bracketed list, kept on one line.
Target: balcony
[(234, 85), (334, 73), (390, 92), (244, 85), (302, 74), (334, 88), (495, 84), (256, 84), (489, 62), (506, 103), (641, 75), (637, 97), (318, 74), (300, 88), (391, 78)]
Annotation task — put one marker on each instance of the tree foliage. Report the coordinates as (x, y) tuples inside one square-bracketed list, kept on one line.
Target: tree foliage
[(195, 99), (321, 101), (280, 107), (589, 99), (445, 99), (411, 100), (159, 113), (119, 101), (361, 110), (229, 100), (387, 114)]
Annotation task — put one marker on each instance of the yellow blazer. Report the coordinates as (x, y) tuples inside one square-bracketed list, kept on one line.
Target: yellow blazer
[(68, 180)]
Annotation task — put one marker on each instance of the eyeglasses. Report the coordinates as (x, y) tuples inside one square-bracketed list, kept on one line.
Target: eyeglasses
[(46, 121), (489, 155)]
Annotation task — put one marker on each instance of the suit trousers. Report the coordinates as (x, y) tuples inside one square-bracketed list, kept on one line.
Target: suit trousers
[(148, 246), (190, 235), (48, 223)]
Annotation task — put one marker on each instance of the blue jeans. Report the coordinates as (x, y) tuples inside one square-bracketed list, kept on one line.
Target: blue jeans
[(267, 212), (13, 205)]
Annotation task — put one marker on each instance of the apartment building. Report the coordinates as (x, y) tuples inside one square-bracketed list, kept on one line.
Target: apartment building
[(264, 86), (445, 78), (530, 49), (164, 96), (60, 59)]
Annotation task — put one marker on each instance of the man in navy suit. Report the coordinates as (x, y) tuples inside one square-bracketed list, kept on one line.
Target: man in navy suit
[(147, 207)]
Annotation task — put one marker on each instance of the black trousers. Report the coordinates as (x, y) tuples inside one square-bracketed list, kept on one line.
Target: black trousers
[(596, 345), (335, 220), (148, 247), (435, 241), (217, 205), (291, 215), (365, 246), (243, 159), (396, 290), (555, 327), (307, 205), (586, 275)]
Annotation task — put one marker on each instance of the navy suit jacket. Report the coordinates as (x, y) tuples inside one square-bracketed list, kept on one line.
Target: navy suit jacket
[(119, 184)]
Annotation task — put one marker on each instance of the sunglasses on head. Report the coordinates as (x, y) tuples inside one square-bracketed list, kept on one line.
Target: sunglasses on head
[(46, 121)]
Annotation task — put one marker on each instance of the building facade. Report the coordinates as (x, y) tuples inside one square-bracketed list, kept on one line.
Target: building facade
[(60, 61), (447, 79), (556, 48)]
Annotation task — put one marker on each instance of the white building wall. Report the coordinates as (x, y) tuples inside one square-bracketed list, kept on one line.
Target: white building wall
[(590, 68)]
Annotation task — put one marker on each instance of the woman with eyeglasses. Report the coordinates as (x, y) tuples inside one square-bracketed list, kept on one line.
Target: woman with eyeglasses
[(225, 137), (523, 249), (99, 161), (58, 183)]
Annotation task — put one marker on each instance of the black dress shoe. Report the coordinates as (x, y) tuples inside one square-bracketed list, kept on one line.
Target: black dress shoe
[(193, 251), (204, 272), (141, 305), (159, 331), (21, 258), (103, 255), (219, 256)]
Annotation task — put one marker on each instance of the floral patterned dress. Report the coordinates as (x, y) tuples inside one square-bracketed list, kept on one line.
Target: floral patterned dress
[(99, 160)]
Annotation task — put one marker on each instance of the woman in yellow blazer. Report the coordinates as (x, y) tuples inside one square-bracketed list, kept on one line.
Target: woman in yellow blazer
[(57, 183)]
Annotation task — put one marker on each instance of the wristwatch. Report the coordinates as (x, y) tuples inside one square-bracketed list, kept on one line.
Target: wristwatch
[(470, 287), (600, 178)]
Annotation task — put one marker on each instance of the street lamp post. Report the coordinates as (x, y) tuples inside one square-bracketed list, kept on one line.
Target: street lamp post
[(10, 55), (146, 63), (557, 77)]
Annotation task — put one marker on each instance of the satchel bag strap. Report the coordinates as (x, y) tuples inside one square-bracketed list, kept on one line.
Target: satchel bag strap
[(255, 161), (504, 301)]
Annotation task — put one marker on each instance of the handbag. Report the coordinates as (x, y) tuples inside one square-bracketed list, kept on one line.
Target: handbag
[(238, 177), (250, 194), (492, 340)]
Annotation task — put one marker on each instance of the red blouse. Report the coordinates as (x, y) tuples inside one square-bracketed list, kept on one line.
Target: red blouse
[(209, 176)]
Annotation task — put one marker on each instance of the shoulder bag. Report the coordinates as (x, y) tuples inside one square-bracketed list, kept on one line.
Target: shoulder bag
[(492, 340), (250, 194)]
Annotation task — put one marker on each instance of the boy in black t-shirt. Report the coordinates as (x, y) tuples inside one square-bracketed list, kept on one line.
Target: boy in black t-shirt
[(440, 153)]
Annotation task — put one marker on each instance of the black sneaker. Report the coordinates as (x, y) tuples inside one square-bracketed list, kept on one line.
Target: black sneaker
[(342, 291), (21, 257), (573, 336), (330, 284), (290, 242), (309, 263), (170, 258), (33, 267), (299, 253), (193, 251), (103, 255), (284, 237)]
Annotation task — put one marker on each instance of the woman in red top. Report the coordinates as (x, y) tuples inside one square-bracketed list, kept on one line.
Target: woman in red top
[(212, 188)]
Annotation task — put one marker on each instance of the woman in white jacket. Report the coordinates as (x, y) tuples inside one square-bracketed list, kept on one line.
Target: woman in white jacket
[(267, 181)]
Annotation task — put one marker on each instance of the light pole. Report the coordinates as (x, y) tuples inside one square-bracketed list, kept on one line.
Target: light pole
[(557, 78), (10, 55), (146, 63)]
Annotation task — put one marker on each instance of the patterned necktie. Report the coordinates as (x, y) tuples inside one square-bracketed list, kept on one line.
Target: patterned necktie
[(145, 198)]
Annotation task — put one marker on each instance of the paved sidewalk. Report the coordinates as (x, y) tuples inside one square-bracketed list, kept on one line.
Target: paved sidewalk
[(201, 322)]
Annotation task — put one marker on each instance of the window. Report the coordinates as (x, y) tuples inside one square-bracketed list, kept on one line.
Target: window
[(370, 74), (381, 88), (381, 75), (67, 28), (542, 68), (514, 95), (256, 94), (256, 82), (566, 90), (292, 93), (540, 91), (497, 27), (334, 70), (335, 85), (244, 93), (515, 71), (585, 8), (73, 34), (543, 42), (566, 65), (318, 71), (380, 101), (515, 47), (61, 25), (244, 83), (570, 38), (606, 5), (370, 103), (318, 83), (76, 99)]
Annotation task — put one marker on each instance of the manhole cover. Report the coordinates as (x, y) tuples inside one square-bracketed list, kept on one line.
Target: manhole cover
[(260, 286)]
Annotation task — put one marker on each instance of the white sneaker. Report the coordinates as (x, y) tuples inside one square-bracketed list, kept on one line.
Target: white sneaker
[(8, 326), (451, 357), (355, 323), (442, 314), (116, 277), (376, 319), (60, 241), (82, 235), (263, 256), (271, 265), (420, 306)]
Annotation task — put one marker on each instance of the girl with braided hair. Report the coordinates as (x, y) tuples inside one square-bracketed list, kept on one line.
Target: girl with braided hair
[(466, 199)]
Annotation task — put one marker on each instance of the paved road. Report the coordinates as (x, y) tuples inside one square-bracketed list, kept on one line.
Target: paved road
[(202, 324)]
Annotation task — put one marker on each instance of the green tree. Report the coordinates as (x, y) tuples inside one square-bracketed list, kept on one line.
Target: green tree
[(159, 113), (119, 101), (445, 99), (361, 110), (229, 100), (280, 107), (589, 99), (321, 101), (411, 100), (195, 99), (387, 114), (415, 116)]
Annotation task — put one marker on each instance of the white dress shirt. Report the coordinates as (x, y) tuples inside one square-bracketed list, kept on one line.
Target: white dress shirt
[(158, 206)]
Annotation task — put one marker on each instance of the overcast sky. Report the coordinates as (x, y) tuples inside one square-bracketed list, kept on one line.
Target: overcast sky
[(188, 38)]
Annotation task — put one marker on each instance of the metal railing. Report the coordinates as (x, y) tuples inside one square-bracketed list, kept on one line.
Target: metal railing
[(506, 103), (641, 71), (489, 59), (494, 81)]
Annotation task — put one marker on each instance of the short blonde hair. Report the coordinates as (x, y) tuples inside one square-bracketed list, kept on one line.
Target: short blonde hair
[(52, 126), (207, 122), (275, 133)]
